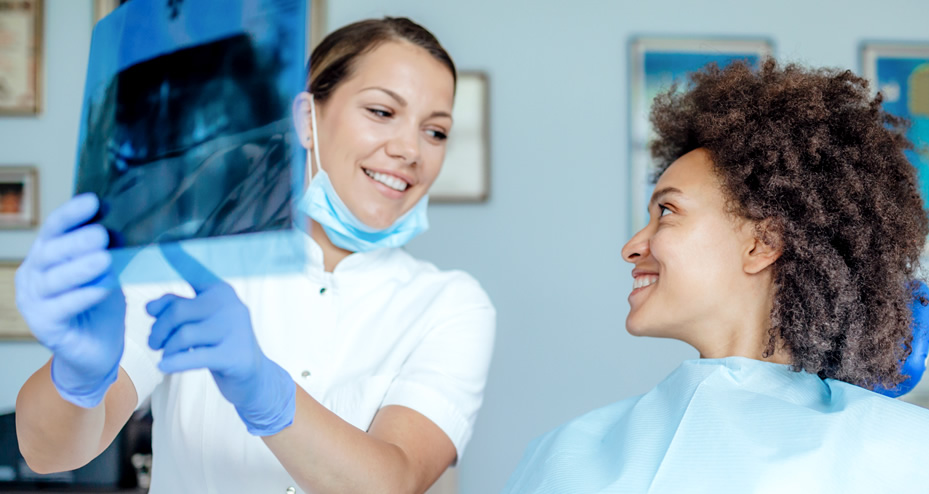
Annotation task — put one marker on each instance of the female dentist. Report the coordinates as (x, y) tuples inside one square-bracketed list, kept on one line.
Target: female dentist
[(362, 374)]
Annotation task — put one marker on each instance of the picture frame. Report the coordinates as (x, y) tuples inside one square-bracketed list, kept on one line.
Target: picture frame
[(465, 175), (900, 71), (19, 197), (21, 53), (12, 325), (655, 63), (317, 24), (102, 8)]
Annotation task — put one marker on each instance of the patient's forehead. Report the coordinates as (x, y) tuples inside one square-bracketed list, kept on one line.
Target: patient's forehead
[(694, 176)]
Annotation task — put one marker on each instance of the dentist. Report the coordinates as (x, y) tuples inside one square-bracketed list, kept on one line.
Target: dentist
[(364, 373)]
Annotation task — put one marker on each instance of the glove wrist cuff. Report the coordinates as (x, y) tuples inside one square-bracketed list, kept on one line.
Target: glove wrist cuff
[(85, 395), (277, 405)]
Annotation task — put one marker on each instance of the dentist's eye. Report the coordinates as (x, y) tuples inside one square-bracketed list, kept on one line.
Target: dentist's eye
[(437, 135), (663, 210), (380, 113)]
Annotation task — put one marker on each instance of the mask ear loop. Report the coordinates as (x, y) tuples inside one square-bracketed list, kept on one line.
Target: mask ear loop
[(319, 166)]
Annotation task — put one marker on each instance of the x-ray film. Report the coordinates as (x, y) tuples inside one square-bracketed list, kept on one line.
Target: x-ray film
[(187, 137)]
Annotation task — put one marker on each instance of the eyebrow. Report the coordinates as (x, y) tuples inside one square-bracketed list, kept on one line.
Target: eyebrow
[(402, 102), (660, 193)]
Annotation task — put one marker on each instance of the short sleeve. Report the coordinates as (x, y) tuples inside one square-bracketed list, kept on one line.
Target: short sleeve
[(444, 376), (139, 361)]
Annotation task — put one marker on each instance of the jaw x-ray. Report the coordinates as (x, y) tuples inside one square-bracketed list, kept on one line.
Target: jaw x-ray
[(186, 129)]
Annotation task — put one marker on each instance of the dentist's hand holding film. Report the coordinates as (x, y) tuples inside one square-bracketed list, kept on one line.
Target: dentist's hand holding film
[(213, 331), (68, 295)]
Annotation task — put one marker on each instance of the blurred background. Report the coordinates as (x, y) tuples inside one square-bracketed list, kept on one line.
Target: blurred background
[(546, 242)]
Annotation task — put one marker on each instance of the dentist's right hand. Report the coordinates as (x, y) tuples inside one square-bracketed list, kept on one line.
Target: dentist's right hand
[(69, 297)]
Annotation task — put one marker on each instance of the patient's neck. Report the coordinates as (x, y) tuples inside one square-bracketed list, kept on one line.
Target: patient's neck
[(742, 330)]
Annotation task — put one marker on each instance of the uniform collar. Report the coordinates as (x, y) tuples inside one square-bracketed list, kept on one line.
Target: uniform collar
[(355, 266)]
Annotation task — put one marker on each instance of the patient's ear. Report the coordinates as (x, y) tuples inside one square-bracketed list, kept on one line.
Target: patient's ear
[(302, 121), (763, 246)]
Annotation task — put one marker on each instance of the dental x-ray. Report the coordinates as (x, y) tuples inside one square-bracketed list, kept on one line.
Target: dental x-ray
[(186, 128)]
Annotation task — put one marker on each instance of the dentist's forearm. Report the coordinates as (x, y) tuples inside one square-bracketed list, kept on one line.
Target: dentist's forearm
[(325, 454), (55, 435)]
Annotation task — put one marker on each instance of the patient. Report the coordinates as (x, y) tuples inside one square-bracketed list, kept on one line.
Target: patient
[(786, 227)]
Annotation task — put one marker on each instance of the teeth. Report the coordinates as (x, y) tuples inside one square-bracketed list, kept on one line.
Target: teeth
[(643, 281), (388, 180)]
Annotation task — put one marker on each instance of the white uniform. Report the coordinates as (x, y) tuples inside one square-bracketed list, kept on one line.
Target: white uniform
[(382, 329)]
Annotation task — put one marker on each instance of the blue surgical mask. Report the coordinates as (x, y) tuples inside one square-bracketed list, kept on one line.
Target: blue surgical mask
[(344, 229)]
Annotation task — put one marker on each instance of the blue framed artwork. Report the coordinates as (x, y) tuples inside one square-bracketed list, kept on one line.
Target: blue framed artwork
[(656, 64), (901, 73)]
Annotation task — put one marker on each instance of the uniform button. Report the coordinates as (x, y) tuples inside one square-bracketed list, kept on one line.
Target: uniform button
[(290, 490), (305, 373), (322, 291)]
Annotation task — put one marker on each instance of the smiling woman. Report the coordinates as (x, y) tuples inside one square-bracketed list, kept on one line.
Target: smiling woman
[(783, 240), (364, 373)]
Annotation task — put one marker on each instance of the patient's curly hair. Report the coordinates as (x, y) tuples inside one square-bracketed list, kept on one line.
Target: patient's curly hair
[(819, 166)]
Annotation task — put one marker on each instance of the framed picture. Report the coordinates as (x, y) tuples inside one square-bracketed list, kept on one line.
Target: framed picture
[(19, 197), (12, 325), (465, 175), (901, 73), (316, 23), (20, 57), (102, 8), (654, 65)]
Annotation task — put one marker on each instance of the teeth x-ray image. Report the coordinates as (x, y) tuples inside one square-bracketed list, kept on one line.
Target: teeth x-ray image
[(186, 129)]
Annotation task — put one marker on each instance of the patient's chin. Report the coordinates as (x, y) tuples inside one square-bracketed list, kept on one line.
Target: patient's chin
[(636, 327)]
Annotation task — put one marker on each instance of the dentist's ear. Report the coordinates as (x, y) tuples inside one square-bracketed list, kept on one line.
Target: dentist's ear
[(763, 246), (302, 120)]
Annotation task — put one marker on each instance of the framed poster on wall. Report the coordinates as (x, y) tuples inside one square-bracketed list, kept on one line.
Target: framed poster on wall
[(465, 175), (19, 197), (12, 325), (900, 71), (654, 65), (20, 57)]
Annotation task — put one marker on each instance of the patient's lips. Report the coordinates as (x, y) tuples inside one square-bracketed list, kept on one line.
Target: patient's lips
[(642, 279)]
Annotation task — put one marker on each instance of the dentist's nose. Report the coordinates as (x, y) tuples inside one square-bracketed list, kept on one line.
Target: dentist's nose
[(405, 146)]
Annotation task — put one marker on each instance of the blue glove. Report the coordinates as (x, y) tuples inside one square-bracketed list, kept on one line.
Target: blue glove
[(213, 331), (915, 365), (68, 295)]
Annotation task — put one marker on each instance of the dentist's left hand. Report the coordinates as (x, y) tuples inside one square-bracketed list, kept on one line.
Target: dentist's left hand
[(213, 331)]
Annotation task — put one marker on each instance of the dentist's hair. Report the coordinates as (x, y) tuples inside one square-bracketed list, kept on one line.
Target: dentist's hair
[(333, 60), (813, 159)]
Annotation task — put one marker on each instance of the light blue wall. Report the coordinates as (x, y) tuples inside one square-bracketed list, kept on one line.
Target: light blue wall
[(48, 141), (546, 246)]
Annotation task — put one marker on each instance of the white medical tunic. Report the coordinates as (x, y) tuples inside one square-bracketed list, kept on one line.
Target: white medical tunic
[(735, 425), (382, 329)]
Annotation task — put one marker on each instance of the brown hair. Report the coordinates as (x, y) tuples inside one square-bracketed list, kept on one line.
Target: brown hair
[(816, 162), (333, 60)]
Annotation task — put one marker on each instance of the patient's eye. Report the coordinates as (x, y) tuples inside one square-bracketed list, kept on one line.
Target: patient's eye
[(663, 210)]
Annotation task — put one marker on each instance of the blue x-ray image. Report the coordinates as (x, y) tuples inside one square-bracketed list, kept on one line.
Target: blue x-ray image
[(186, 128)]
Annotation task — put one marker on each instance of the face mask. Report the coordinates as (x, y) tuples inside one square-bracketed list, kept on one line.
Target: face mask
[(322, 203)]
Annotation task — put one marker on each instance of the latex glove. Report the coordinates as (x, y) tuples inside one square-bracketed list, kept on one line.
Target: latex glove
[(69, 297), (915, 365), (213, 331)]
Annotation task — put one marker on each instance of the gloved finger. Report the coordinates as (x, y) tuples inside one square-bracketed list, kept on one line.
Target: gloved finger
[(200, 278), (172, 312), (193, 335), (156, 307), (195, 358), (77, 211), (74, 302), (71, 245), (73, 274)]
